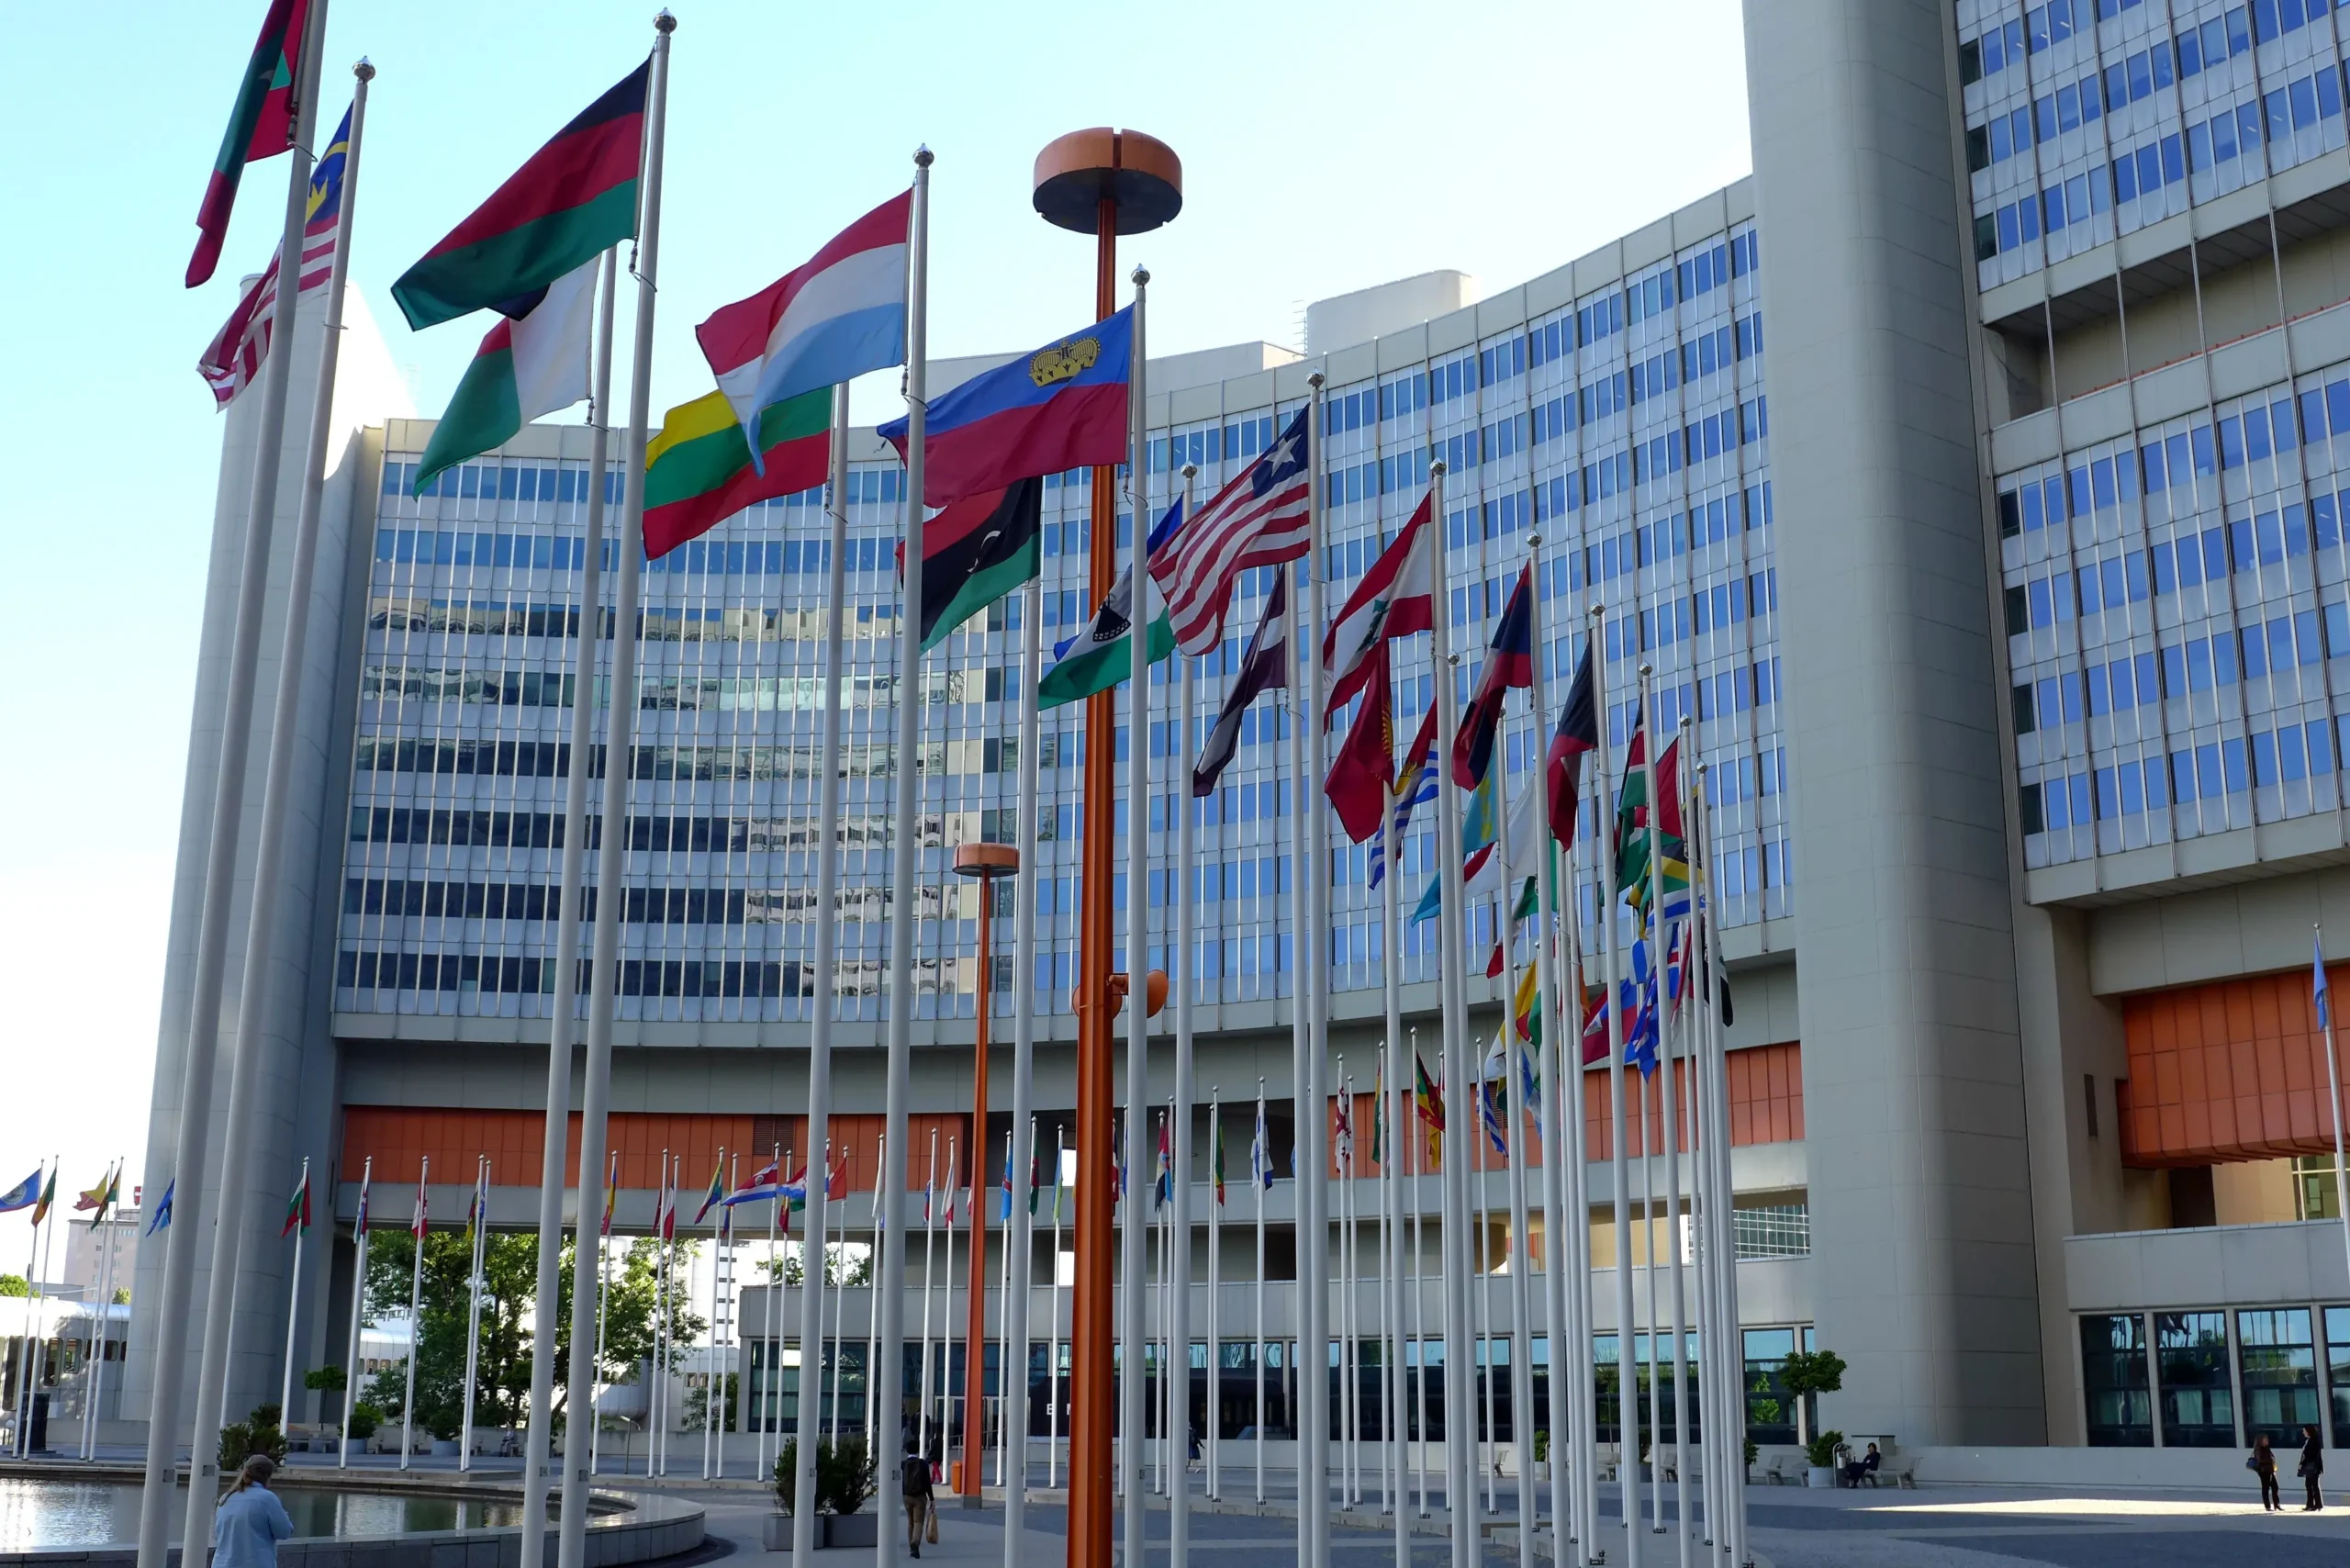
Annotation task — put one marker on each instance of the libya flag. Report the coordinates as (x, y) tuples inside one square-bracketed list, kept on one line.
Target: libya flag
[(975, 552), (1099, 658), (529, 366), (697, 471), (576, 195)]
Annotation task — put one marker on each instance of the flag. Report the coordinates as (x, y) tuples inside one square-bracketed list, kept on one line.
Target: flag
[(1035, 1173), (298, 1210), (234, 357), (261, 125), (975, 552), (1396, 598), (1416, 783), (477, 1209), (1577, 733), (1428, 1096), (1510, 662), (1632, 821), (24, 1194), (1641, 1040), (417, 1224), (1523, 910), (573, 197), (836, 316), (367, 1180), (1531, 1082), (2324, 1015), (1379, 1112), (164, 1210), (1477, 838), (531, 364), (1258, 518), (1264, 666), (698, 470), (1057, 1155), (113, 1191), (664, 1214), (1260, 1152), (1215, 1154), (1098, 657), (48, 1199), (1488, 1115), (1163, 1184), (1363, 773), (93, 1197), (1524, 1008), (1006, 1215), (1342, 1137), (1062, 406), (836, 1177), (716, 1195)]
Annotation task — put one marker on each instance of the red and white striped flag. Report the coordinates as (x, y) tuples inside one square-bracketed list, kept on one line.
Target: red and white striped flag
[(234, 357), (1260, 519)]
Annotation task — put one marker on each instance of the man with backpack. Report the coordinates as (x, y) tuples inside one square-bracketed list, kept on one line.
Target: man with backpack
[(915, 1484)]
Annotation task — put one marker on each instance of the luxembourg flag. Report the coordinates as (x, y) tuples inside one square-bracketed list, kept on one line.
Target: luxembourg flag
[(840, 315)]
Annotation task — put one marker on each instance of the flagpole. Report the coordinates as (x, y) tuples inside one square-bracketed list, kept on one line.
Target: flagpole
[(1181, 977), (873, 1431), (416, 1233), (572, 1543), (1022, 1235), (255, 985), (1401, 1128), (1053, 1348), (1659, 959), (1460, 1415), (28, 1349), (1521, 1251), (1714, 1467), (946, 1306), (106, 1328), (1419, 1248), (1734, 1359), (358, 1314), (1679, 1306), (1313, 968), (657, 1374), (904, 845), (929, 1234), (1559, 1151), (1627, 1404), (1260, 1164), (563, 1005), (159, 1497), (1003, 1333), (1585, 1386), (603, 1299), (1647, 1252), (1212, 1482), (1489, 1454), (480, 1229), (1349, 1428), (819, 1024), (1133, 1392), (2334, 1087), (767, 1347), (292, 1296)]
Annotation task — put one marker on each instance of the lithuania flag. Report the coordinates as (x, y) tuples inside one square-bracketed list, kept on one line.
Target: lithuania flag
[(574, 197), (260, 126), (698, 470), (975, 552)]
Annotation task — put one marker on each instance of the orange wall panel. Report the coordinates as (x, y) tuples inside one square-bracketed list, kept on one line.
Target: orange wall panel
[(2226, 1070)]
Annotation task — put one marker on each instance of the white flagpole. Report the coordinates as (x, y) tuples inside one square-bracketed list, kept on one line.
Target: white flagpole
[(1584, 1300), (358, 1315), (1314, 973), (1350, 1347), (873, 1431), (1678, 1304), (595, 1093), (603, 1300), (1053, 1348), (840, 1300), (921, 1379), (1521, 1253), (1489, 1454), (946, 1303), (767, 1425), (1213, 1483), (1400, 1130), (2334, 1087), (1184, 960), (1260, 1161), (1133, 1386), (1460, 1422), (656, 1374), (1419, 1245), (292, 1296), (1657, 960), (159, 1497), (1003, 1329), (106, 1324), (1163, 1345), (416, 1233), (472, 1309), (1021, 1238), (1648, 1267), (28, 1371), (904, 847), (563, 1018), (813, 1231), (1627, 1404), (1733, 1356)]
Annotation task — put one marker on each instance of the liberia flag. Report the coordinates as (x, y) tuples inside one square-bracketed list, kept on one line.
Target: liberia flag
[(1396, 598), (261, 125), (1258, 520), (236, 352)]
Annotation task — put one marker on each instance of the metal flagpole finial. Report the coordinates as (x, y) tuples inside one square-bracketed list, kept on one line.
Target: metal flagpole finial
[(1646, 669), (364, 70), (922, 155), (1191, 471), (1141, 276), (1437, 466), (663, 22), (1533, 542), (1595, 610), (1314, 380)]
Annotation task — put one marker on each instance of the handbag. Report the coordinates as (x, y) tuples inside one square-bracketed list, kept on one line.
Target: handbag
[(2305, 1472), (2252, 1465), (930, 1528)]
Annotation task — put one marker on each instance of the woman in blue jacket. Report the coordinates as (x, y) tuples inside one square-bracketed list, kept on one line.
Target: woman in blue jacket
[(251, 1520)]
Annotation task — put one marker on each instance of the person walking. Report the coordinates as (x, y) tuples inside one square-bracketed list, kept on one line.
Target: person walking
[(2312, 1466), (916, 1486), (2263, 1464), (251, 1521)]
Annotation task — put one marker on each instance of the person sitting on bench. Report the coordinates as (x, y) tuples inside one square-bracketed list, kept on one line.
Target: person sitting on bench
[(1864, 1466)]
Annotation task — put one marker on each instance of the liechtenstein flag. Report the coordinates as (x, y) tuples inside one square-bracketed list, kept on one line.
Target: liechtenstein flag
[(2324, 1015), (1062, 406)]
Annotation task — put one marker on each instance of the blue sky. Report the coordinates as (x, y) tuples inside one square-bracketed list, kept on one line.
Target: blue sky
[(1326, 148)]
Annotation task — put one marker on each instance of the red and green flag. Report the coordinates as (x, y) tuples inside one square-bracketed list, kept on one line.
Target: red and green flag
[(698, 470), (575, 196), (261, 125), (298, 1210), (529, 364)]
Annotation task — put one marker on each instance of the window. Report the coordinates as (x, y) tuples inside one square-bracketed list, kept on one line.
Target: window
[(2198, 1406), (2278, 1366), (2315, 1195), (1769, 1409), (2337, 1370), (2113, 1380)]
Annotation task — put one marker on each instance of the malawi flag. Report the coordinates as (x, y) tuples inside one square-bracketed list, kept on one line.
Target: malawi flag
[(975, 552), (260, 126), (1062, 406), (576, 195), (697, 471)]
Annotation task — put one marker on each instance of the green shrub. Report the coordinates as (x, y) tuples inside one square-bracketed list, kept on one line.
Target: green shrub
[(1753, 1449), (257, 1433), (325, 1380), (845, 1476), (1822, 1449), (365, 1420)]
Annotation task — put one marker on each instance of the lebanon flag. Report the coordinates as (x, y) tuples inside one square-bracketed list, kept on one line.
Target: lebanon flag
[(1395, 599), (1364, 774), (574, 197), (838, 315), (533, 365), (261, 125)]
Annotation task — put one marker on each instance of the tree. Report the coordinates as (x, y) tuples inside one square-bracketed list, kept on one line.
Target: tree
[(510, 1276), (698, 1406), (843, 1265), (122, 1296), (13, 1284)]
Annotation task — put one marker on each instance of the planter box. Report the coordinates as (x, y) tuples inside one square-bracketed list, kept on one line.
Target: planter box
[(1823, 1476), (832, 1529)]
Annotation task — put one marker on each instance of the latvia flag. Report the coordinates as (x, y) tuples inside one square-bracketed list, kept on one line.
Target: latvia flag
[(576, 197)]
